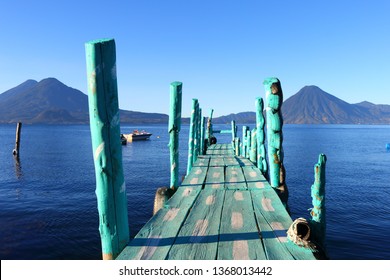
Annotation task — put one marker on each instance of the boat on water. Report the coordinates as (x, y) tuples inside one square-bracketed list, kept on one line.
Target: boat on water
[(137, 135)]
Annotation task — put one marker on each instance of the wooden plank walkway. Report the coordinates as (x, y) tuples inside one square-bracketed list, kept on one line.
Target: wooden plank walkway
[(224, 209)]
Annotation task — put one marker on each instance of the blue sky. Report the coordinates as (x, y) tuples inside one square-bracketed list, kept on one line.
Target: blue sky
[(221, 50)]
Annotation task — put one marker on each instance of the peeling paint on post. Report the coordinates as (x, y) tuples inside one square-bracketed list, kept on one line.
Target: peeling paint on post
[(260, 122), (243, 142), (107, 148), (318, 213), (174, 129), (274, 99), (210, 128), (253, 151), (248, 143), (202, 131), (191, 138)]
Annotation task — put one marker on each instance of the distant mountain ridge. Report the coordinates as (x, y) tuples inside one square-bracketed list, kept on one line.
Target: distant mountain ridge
[(50, 101), (312, 105)]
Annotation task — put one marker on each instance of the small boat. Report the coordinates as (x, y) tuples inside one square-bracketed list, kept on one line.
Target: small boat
[(138, 135)]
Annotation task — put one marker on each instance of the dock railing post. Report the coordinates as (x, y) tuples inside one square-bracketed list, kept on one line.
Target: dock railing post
[(210, 128), (202, 135), (197, 133), (107, 148), (237, 143), (318, 213), (243, 142), (191, 137), (248, 143), (234, 133), (260, 122), (253, 151), (274, 99), (174, 129), (15, 151)]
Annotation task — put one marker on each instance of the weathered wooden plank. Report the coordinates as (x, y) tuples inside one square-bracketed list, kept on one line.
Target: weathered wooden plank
[(202, 161), (234, 178), (215, 177), (244, 161), (155, 239), (198, 237), (230, 160), (239, 238), (274, 221), (254, 178)]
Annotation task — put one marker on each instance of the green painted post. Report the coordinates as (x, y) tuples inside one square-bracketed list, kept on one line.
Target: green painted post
[(237, 142), (274, 99), (174, 127), (202, 132), (197, 134), (318, 213), (260, 122), (248, 143), (107, 148), (191, 138), (243, 145), (253, 152), (210, 128), (234, 133)]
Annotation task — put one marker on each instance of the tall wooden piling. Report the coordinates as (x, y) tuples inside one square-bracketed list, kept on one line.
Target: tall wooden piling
[(15, 151), (202, 135), (253, 150), (318, 213), (210, 128), (243, 142), (274, 99), (260, 122), (248, 143), (197, 133), (107, 148), (191, 138), (174, 127)]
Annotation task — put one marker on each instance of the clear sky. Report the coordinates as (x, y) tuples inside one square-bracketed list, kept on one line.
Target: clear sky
[(221, 50)]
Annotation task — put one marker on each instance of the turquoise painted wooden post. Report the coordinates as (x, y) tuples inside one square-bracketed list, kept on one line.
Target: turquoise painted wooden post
[(237, 142), (174, 127), (234, 134), (210, 127), (197, 135), (243, 142), (191, 137), (202, 132), (248, 143), (318, 213), (107, 148), (274, 99), (253, 152), (260, 122)]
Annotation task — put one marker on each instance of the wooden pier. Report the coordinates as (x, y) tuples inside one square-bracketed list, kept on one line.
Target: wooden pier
[(232, 203), (224, 209)]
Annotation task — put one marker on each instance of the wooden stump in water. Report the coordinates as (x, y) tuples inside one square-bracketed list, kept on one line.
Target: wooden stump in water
[(15, 151)]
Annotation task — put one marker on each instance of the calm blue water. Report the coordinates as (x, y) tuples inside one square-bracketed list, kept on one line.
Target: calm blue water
[(48, 205)]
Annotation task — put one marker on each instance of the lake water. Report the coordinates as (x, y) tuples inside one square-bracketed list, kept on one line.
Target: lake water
[(48, 204)]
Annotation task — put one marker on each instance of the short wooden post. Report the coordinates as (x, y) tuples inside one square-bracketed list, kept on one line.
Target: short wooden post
[(174, 129), (244, 144), (274, 99), (210, 128), (202, 138), (15, 151), (253, 152), (237, 143), (234, 132), (248, 143), (197, 132), (260, 122), (318, 213), (107, 148), (191, 138)]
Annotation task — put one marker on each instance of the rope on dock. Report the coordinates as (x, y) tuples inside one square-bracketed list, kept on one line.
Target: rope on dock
[(299, 233)]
